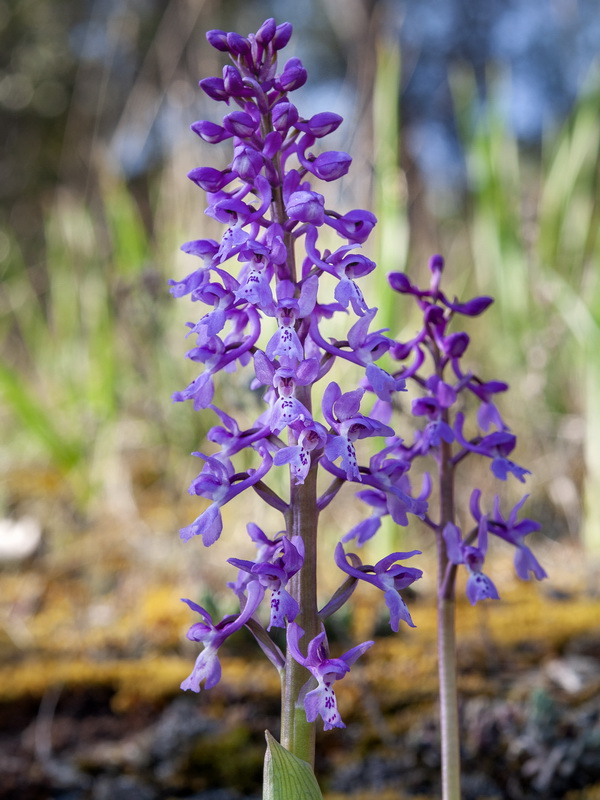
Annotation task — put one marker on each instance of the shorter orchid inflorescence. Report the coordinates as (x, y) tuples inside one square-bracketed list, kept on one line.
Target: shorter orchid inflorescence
[(446, 386), (269, 310)]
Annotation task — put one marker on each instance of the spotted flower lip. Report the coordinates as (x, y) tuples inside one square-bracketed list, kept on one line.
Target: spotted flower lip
[(274, 574), (322, 701), (311, 437), (341, 412)]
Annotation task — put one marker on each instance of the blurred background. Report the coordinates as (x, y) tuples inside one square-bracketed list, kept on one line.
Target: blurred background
[(474, 131)]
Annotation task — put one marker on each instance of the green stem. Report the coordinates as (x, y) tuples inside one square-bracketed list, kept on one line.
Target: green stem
[(448, 700), (446, 614), (298, 735)]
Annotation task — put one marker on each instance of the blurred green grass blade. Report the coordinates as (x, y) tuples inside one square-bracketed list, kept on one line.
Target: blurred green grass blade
[(37, 420), (126, 229), (496, 231), (590, 529), (391, 233), (567, 197)]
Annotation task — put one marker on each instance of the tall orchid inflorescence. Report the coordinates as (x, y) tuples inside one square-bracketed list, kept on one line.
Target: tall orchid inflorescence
[(268, 307), (269, 311), (446, 389)]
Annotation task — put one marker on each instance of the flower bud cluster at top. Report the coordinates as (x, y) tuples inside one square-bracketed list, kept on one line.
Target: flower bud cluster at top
[(266, 313)]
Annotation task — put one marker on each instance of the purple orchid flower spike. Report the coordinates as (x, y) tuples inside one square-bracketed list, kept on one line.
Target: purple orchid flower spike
[(208, 667), (261, 284), (342, 412), (322, 701), (434, 352), (388, 576), (479, 586), (274, 574), (216, 482)]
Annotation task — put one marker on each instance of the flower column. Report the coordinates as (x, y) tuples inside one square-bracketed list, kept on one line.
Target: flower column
[(297, 735)]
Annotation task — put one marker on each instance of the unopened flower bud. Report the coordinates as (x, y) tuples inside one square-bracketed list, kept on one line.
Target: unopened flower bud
[(282, 36), (331, 165), (455, 344), (238, 45), (218, 39), (214, 88), (233, 82), (321, 124), (284, 115), (209, 179), (266, 32), (240, 124), (306, 207), (209, 131), (247, 163), (293, 76), (399, 282)]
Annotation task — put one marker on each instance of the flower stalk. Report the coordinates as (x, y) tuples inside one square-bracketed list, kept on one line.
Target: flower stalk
[(446, 622), (298, 735)]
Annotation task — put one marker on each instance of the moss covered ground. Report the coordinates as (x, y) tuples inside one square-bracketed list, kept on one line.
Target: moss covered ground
[(93, 649)]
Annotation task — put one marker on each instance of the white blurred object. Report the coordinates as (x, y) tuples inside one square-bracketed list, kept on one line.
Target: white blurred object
[(19, 538)]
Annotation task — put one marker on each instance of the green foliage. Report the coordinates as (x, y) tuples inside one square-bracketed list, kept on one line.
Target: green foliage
[(86, 372), (392, 232), (287, 777), (533, 226)]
